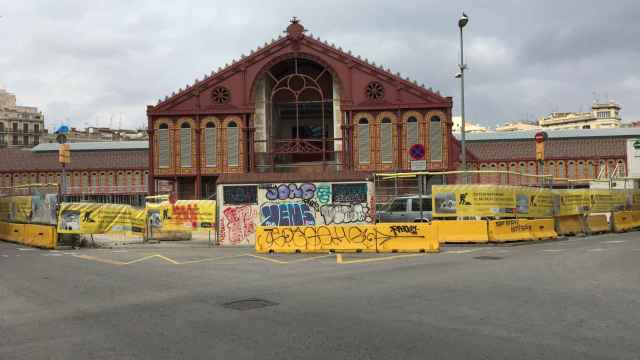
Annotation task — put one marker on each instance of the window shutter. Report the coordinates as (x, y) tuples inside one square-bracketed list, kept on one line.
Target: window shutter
[(232, 146), (363, 144), (185, 147), (435, 139), (164, 150), (210, 146), (386, 143), (412, 133)]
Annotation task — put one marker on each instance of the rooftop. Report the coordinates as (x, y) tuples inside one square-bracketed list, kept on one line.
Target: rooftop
[(91, 146), (553, 134)]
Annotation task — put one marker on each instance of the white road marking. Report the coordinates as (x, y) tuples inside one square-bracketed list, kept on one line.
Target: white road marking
[(461, 251), (51, 254), (503, 251), (597, 249), (613, 242), (25, 249), (5, 256), (553, 250), (119, 251)]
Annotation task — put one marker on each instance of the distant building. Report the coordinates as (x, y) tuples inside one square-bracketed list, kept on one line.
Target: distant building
[(93, 134), (20, 126), (518, 126), (602, 115), (468, 127)]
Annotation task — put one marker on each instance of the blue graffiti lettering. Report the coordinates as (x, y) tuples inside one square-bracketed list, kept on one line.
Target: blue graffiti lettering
[(291, 191), (291, 214)]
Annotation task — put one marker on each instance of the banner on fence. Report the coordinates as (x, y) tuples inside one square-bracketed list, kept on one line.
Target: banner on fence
[(607, 200), (572, 202), (183, 215), (93, 218), (473, 200), (35, 209), (534, 202)]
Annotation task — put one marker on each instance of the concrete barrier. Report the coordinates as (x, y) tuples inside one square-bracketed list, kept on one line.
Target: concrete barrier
[(16, 233), (622, 221), (415, 237), (41, 236), (569, 225), (461, 231), (598, 224), (405, 237), (635, 218), (543, 229), (510, 230)]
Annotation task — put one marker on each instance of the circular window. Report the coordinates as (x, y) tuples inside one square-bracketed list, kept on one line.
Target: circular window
[(221, 95), (375, 91)]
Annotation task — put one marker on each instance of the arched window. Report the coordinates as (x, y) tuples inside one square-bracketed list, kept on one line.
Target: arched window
[(233, 139), (185, 145), (560, 170), (386, 141), (164, 148), (210, 145), (611, 166), (571, 170), (591, 170), (622, 171), (364, 147), (412, 132), (503, 176), (435, 138), (581, 170)]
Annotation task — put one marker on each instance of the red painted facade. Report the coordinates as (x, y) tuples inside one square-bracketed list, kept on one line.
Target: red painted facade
[(292, 105)]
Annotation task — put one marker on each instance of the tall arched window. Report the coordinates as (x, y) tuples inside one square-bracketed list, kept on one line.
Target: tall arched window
[(591, 170), (185, 145), (364, 147), (622, 171), (386, 141), (560, 170), (581, 171), (210, 145), (611, 166), (164, 148), (412, 132), (571, 170), (233, 139), (602, 169), (435, 138)]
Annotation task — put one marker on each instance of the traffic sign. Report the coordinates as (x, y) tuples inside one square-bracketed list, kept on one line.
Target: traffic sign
[(416, 152)]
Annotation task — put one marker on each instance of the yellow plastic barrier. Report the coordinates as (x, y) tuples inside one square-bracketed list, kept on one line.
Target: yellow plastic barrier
[(622, 221), (510, 230), (41, 236), (598, 224), (569, 225), (4, 230), (411, 237), (16, 233), (461, 231), (542, 229), (405, 237), (635, 218)]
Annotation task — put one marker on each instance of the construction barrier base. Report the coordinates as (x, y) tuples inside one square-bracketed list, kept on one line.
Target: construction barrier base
[(41, 236), (623, 221), (406, 237), (461, 231), (598, 224), (569, 225)]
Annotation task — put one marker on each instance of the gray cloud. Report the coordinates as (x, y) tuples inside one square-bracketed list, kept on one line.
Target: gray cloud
[(103, 62)]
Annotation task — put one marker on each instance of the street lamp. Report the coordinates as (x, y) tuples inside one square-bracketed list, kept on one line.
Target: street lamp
[(462, 22)]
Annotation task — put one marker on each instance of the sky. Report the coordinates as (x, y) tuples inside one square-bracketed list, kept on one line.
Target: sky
[(99, 63)]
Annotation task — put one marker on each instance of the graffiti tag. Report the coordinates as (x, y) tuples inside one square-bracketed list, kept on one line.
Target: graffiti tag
[(404, 229), (237, 225), (345, 214), (323, 194), (291, 191), (290, 214)]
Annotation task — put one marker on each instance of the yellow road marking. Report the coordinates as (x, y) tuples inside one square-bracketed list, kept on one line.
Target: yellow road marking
[(106, 261), (212, 259), (339, 259)]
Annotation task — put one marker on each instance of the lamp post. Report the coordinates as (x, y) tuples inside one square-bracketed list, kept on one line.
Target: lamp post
[(462, 22)]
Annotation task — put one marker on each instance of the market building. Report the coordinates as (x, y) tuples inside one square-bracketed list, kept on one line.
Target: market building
[(300, 106)]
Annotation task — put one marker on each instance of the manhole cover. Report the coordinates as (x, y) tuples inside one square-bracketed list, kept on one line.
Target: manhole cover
[(249, 304), (488, 257)]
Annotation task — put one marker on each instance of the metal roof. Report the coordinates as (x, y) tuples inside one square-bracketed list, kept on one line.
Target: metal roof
[(553, 134), (91, 146)]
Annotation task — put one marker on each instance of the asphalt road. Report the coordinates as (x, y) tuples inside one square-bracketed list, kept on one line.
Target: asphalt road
[(576, 299)]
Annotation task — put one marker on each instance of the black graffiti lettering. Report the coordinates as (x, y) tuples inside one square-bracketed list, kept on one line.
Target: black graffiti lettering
[(404, 229)]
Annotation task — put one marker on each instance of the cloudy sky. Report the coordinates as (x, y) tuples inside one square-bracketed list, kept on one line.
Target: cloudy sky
[(101, 62)]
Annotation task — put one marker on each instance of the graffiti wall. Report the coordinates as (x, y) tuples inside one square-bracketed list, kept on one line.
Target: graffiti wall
[(244, 207)]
